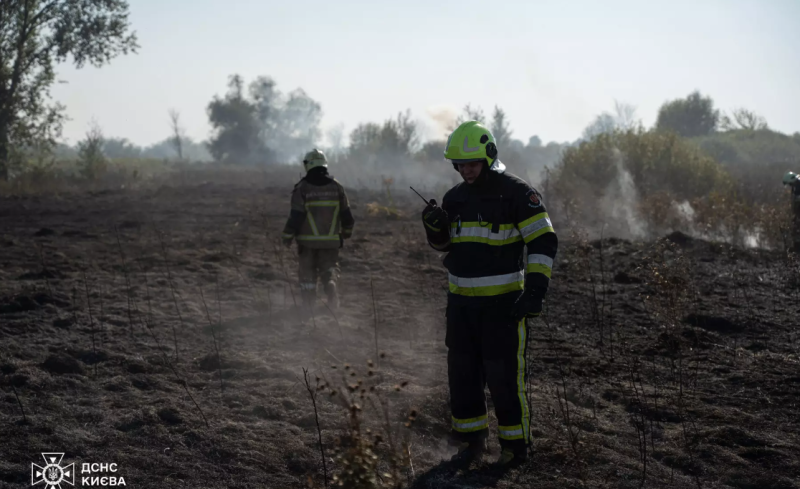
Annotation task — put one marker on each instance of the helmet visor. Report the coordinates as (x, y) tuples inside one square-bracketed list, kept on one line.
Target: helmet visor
[(470, 160)]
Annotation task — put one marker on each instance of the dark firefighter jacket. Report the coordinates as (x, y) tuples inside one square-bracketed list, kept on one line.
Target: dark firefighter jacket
[(491, 223), (320, 215), (796, 198)]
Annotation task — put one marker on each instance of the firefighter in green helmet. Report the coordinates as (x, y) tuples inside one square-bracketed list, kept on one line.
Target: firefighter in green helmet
[(320, 221), (484, 225)]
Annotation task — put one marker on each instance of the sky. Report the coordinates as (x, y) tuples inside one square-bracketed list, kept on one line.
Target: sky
[(551, 65)]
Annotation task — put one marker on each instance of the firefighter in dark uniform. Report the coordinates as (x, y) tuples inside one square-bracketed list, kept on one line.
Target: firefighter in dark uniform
[(793, 180), (484, 224), (320, 221)]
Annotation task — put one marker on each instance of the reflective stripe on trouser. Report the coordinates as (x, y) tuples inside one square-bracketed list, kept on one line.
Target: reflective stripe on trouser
[(484, 348), (471, 424), (317, 263), (511, 432)]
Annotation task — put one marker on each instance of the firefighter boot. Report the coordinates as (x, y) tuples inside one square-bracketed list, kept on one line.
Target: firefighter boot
[(333, 295), (309, 297), (469, 452), (510, 458)]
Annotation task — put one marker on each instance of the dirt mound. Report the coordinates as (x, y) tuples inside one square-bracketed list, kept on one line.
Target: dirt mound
[(61, 363), (734, 436), (42, 275), (170, 415), (44, 232), (680, 239), (19, 303), (89, 357), (626, 278), (24, 303), (715, 324)]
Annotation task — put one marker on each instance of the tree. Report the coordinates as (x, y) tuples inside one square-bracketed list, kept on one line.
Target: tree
[(36, 34), (92, 162), (386, 145), (534, 142), (263, 125), (236, 133), (296, 129), (690, 117), (289, 124), (432, 151), (602, 124), (468, 114), (625, 116), (743, 119), (177, 132), (165, 150), (500, 129), (120, 148), (404, 129), (623, 119)]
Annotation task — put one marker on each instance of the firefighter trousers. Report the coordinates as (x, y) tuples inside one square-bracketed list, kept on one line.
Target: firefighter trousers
[(485, 346), (796, 230), (314, 264)]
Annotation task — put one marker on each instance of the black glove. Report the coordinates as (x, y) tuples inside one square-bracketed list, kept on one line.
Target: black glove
[(435, 218), (529, 305)]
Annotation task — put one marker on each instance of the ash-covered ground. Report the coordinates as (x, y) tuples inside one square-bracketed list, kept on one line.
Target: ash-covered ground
[(669, 363)]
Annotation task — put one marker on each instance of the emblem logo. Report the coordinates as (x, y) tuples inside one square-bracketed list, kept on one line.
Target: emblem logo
[(535, 198), (53, 474)]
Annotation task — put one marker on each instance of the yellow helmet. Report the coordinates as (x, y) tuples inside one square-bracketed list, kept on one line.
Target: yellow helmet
[(314, 159), (471, 141)]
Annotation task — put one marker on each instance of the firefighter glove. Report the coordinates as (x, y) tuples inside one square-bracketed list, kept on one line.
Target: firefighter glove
[(529, 305)]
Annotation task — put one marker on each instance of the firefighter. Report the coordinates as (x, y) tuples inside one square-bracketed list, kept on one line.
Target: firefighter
[(320, 221), (483, 225), (793, 180)]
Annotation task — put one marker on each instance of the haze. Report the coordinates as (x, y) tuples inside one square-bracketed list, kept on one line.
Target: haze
[(551, 66)]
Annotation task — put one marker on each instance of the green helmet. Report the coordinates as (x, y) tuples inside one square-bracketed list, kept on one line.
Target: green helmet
[(313, 159), (790, 178), (471, 141)]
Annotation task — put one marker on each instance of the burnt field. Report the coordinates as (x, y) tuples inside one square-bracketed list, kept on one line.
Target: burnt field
[(158, 329)]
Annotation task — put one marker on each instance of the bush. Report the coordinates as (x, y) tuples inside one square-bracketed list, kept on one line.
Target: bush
[(635, 181), (645, 184), (756, 160), (92, 162)]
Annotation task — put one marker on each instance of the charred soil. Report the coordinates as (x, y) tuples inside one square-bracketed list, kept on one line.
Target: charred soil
[(160, 329)]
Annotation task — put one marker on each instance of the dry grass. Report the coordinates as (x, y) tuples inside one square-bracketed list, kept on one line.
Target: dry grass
[(661, 364)]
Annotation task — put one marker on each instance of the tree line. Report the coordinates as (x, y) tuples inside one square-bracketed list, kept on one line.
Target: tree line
[(255, 123)]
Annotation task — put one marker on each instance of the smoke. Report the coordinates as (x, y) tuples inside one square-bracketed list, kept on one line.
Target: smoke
[(619, 204), (751, 240), (335, 138), (444, 119), (686, 215), (685, 211)]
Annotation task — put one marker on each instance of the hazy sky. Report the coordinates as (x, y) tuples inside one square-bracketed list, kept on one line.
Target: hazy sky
[(552, 65)]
